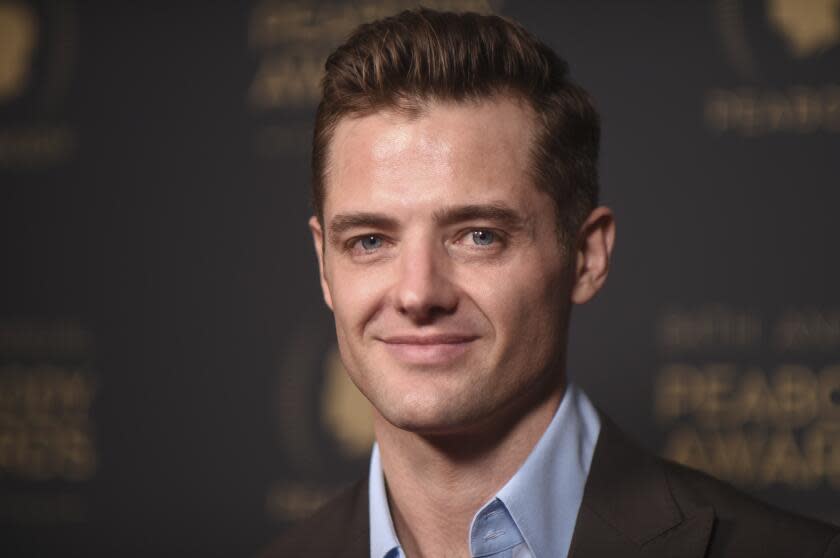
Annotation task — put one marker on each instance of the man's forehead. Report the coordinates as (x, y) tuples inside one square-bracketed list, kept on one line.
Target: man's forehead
[(440, 135), (383, 135)]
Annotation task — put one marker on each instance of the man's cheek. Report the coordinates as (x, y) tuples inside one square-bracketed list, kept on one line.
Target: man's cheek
[(357, 300)]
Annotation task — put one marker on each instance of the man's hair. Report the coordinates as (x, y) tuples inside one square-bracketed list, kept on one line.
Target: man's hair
[(406, 61)]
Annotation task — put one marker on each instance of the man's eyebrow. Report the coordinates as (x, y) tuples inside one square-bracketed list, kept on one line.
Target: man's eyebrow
[(495, 212), (344, 222)]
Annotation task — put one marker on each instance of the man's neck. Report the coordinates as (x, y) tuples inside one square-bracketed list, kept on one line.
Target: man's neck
[(436, 484)]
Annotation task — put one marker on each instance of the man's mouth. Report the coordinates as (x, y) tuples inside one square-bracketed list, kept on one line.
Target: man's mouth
[(429, 349), (437, 349), (430, 339)]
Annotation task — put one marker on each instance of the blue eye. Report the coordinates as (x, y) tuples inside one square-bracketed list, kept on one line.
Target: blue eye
[(371, 242), (483, 238)]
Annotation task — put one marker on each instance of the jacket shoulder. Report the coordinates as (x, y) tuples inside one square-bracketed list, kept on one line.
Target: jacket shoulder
[(339, 528), (746, 526), (638, 504)]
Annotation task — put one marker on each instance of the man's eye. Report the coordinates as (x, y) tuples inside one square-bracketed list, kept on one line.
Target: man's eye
[(370, 242), (483, 237)]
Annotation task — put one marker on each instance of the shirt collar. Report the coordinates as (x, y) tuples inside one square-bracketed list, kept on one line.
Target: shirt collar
[(542, 497), (383, 537)]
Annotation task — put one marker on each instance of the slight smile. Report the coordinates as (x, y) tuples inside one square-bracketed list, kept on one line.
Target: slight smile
[(428, 350)]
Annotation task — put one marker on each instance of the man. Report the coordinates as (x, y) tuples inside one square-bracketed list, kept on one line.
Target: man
[(455, 190)]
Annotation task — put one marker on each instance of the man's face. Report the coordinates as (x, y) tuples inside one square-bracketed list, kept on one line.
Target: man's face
[(442, 264)]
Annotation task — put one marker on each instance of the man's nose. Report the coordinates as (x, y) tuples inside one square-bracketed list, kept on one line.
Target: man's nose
[(424, 290)]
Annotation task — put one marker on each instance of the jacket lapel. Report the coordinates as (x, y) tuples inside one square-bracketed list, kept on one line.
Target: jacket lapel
[(629, 510)]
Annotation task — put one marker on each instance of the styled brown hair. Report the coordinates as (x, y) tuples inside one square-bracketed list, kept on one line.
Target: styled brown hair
[(405, 61)]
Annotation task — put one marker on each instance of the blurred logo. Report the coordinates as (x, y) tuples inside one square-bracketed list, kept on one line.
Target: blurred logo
[(729, 411), (18, 35), (785, 53), (37, 55), (808, 26), (345, 413), (324, 423), (292, 39), (48, 446)]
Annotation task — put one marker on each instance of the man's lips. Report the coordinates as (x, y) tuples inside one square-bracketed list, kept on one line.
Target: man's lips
[(429, 349), (430, 339)]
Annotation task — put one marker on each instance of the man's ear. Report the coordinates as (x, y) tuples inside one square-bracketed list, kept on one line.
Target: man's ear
[(593, 250), (318, 239)]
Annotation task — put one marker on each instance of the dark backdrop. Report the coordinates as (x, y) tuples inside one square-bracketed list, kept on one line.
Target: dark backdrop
[(168, 377)]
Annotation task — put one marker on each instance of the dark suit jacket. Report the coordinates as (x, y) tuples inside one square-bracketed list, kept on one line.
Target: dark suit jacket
[(634, 504)]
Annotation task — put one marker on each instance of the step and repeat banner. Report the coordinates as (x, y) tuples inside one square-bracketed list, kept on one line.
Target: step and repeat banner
[(169, 381)]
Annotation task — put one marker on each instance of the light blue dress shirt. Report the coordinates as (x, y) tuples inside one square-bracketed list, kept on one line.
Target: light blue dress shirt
[(534, 514)]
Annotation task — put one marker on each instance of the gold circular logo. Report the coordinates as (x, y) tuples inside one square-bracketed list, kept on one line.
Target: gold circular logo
[(345, 412), (791, 37)]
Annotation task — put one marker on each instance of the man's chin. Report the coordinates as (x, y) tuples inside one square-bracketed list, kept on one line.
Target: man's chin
[(433, 421)]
